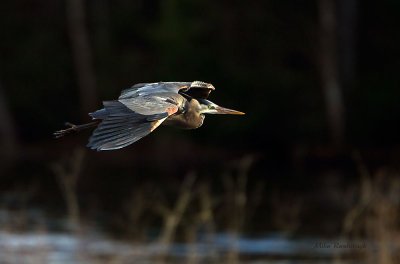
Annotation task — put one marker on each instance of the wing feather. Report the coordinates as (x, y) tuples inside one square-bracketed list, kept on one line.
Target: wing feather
[(123, 126), (195, 89), (144, 89)]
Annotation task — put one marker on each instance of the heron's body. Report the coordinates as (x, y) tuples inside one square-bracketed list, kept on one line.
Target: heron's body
[(142, 108), (190, 118)]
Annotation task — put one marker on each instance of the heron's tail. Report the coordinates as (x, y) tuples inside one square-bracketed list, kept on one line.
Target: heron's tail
[(74, 128)]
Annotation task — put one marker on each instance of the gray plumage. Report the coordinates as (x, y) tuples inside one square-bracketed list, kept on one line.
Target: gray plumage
[(143, 107)]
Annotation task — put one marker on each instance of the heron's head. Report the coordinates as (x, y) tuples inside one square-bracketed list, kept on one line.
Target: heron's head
[(208, 107)]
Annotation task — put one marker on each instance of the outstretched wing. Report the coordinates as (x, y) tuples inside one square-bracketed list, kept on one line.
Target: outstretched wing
[(145, 89), (196, 89), (124, 123)]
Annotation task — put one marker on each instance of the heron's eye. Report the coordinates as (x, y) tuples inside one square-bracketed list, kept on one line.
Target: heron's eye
[(211, 107)]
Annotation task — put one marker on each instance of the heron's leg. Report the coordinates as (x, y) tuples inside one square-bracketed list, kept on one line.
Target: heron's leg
[(74, 128)]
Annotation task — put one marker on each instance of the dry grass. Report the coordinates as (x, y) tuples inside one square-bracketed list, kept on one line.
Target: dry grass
[(193, 211), (375, 217), (196, 209), (67, 173)]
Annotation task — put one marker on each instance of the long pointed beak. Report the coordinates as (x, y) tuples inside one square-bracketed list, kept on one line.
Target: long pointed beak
[(223, 110)]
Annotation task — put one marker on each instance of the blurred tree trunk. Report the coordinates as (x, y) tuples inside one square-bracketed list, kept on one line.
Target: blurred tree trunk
[(8, 133), (347, 25), (329, 63), (82, 56)]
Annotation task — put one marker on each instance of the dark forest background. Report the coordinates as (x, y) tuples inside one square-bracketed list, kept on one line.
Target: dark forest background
[(318, 81)]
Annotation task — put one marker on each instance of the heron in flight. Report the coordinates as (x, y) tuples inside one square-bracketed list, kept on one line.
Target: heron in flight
[(143, 107)]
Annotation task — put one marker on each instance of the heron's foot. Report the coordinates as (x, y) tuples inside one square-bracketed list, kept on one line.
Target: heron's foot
[(63, 132)]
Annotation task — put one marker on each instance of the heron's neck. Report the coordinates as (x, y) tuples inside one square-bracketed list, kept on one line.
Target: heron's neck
[(190, 118), (192, 114)]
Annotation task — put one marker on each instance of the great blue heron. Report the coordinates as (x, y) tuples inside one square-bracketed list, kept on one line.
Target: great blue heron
[(143, 107)]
